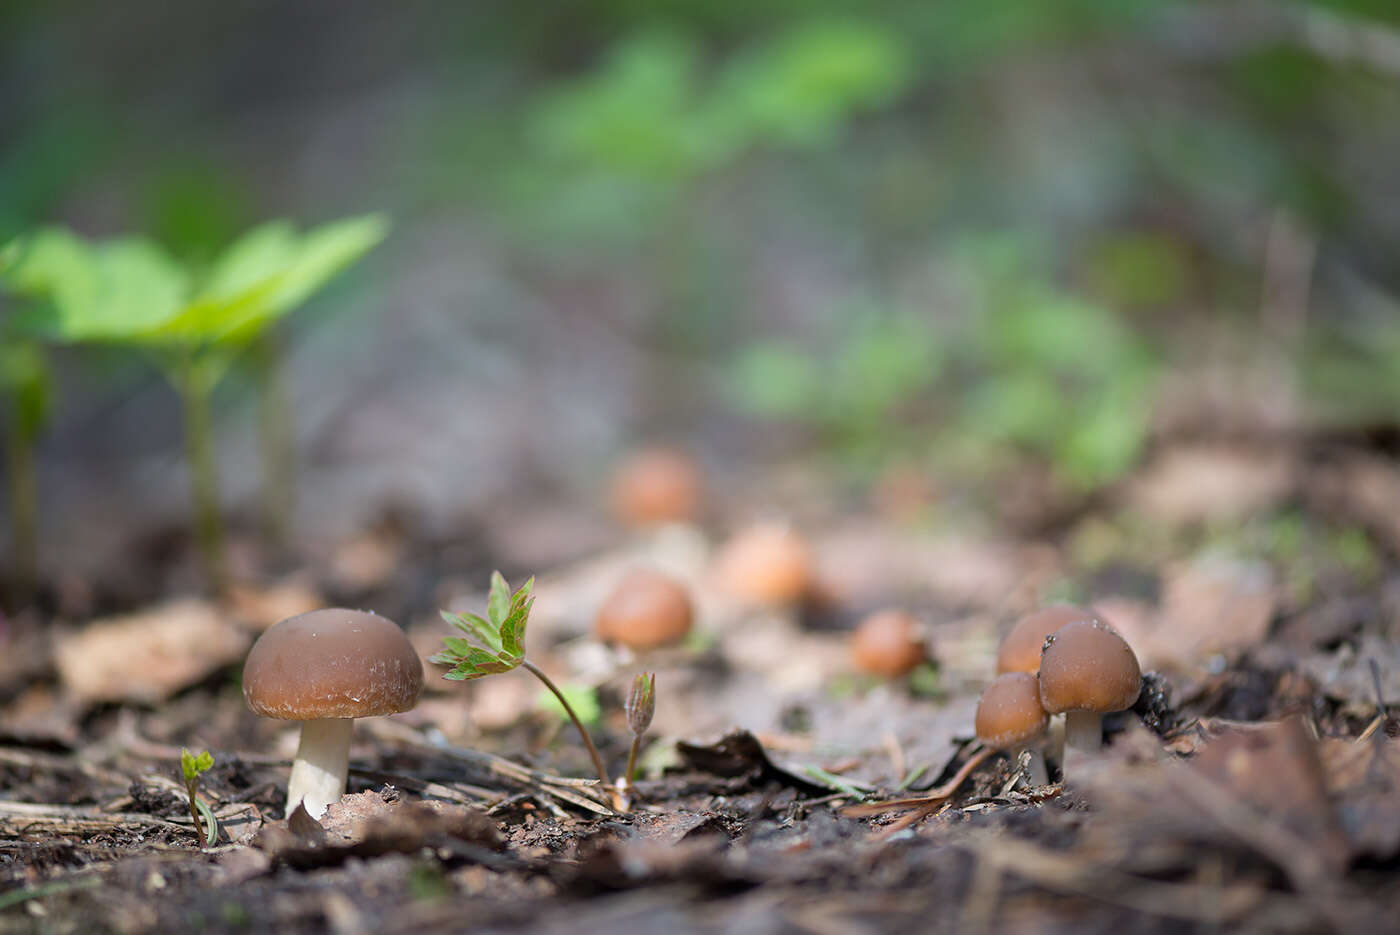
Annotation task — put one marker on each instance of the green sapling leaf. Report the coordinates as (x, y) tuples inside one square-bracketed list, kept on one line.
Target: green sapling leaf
[(498, 605), (191, 766)]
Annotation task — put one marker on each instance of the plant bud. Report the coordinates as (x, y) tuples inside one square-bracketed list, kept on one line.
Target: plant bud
[(641, 703)]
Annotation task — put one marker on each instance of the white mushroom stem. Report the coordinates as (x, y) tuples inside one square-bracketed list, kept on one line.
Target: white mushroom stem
[(1035, 767), (318, 772), (1084, 730), (1056, 731)]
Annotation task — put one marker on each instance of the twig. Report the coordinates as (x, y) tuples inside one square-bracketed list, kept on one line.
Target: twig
[(934, 796)]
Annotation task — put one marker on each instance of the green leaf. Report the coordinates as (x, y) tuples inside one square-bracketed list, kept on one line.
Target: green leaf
[(211, 822), (498, 605), (109, 291), (456, 646), (493, 645), (191, 766), (266, 274), (474, 626)]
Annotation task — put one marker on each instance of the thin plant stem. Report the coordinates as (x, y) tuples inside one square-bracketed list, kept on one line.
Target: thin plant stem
[(632, 759), (204, 477), (24, 504), (275, 438), (569, 710), (197, 818)]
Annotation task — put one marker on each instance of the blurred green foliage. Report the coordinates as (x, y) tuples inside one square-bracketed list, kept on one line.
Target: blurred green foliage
[(130, 290), (1024, 366), (697, 155)]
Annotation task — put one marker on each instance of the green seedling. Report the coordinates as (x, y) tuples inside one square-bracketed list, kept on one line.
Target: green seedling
[(193, 321), (640, 708), (206, 826), (496, 643)]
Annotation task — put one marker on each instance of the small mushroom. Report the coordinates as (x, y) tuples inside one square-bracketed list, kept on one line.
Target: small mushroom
[(1020, 651), (645, 610), (888, 643), (768, 564), (655, 486), (1010, 717), (326, 668), (1086, 671)]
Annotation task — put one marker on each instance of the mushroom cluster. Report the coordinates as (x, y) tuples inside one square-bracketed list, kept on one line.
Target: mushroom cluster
[(1058, 660)]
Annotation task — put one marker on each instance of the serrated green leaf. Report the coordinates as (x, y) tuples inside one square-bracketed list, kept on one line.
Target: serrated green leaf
[(457, 646), (513, 630), (476, 628), (498, 605)]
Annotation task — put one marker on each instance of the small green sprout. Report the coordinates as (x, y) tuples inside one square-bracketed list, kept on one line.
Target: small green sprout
[(496, 643), (205, 824), (640, 708)]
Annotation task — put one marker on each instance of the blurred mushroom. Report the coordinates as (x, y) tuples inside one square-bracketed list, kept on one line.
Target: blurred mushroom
[(1086, 671), (645, 610), (326, 668), (768, 564), (1020, 651), (888, 643), (1010, 717), (656, 486)]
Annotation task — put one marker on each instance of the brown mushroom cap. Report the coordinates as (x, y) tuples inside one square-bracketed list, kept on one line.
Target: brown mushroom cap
[(332, 663), (1020, 651), (647, 609), (655, 486), (1009, 712), (766, 564), (1087, 666), (888, 643)]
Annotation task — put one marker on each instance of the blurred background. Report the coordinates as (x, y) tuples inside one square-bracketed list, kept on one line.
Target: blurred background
[(971, 264)]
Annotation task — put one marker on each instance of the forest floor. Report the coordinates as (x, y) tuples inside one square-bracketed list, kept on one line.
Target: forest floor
[(1254, 787)]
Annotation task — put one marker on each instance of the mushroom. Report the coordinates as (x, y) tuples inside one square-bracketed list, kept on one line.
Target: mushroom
[(1086, 671), (888, 643), (1020, 651), (645, 610), (325, 668), (768, 564), (1010, 717), (656, 486)]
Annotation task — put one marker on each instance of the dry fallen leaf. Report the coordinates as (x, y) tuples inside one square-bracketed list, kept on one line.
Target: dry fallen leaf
[(1195, 483), (150, 655), (261, 607), (1213, 605)]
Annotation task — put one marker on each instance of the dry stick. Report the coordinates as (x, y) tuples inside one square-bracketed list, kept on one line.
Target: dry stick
[(569, 710), (936, 794), (925, 804)]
